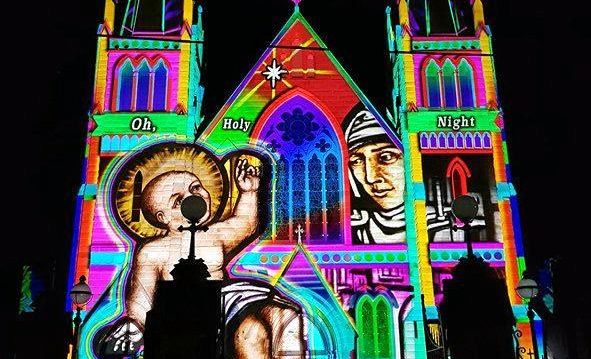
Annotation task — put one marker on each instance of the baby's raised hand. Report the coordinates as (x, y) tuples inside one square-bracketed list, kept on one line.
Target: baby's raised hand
[(247, 176)]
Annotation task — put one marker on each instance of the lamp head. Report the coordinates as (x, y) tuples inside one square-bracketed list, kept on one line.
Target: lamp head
[(464, 208), (193, 208), (527, 288), (81, 293)]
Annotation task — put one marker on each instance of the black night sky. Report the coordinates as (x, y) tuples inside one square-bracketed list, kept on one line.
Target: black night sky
[(539, 61)]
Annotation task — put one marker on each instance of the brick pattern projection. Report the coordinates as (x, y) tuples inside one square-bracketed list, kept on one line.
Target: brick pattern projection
[(285, 195)]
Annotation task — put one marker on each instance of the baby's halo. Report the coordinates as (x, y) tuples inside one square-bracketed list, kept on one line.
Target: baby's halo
[(153, 161)]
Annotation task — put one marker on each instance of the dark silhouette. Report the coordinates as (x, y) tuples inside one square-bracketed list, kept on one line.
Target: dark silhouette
[(476, 313)]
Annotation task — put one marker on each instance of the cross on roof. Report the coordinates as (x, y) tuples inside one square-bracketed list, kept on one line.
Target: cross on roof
[(299, 231)]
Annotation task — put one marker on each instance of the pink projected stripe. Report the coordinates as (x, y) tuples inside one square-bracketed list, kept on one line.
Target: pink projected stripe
[(101, 275), (475, 61), (172, 56)]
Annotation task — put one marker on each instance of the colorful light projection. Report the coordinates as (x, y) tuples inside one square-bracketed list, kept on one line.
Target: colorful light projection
[(323, 223)]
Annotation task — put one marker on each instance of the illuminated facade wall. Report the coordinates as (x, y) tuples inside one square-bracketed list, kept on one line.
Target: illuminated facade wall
[(321, 216)]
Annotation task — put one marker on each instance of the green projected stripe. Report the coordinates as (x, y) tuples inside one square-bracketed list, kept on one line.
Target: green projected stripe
[(427, 120), (140, 123)]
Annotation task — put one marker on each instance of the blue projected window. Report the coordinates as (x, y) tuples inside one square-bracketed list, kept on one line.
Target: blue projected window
[(433, 85), (308, 178), (125, 95), (333, 209), (298, 193), (466, 84), (449, 85), (143, 88), (160, 87)]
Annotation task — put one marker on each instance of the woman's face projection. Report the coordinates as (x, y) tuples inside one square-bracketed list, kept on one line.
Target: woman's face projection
[(379, 168)]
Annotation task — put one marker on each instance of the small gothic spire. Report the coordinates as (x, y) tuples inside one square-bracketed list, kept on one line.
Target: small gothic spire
[(296, 4)]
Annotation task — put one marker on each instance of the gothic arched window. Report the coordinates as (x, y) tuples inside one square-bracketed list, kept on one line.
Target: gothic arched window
[(282, 199), (125, 91), (333, 206), (374, 321), (309, 178), (298, 167), (458, 174), (433, 85), (449, 85), (143, 87), (160, 87)]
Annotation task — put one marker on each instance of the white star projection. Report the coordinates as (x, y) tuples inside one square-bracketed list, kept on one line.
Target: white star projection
[(274, 73)]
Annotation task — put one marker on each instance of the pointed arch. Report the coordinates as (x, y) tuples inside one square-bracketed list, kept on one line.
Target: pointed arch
[(327, 143), (449, 84), (458, 174), (106, 144), (384, 330), (432, 140), (451, 140), (333, 205), (486, 142), (433, 84), (143, 87), (160, 87), (477, 140), (365, 326), (125, 86), (375, 326), (441, 140), (124, 143), (466, 79), (424, 141), (282, 200), (460, 140)]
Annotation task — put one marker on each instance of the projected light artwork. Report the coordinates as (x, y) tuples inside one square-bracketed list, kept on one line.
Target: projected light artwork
[(329, 221)]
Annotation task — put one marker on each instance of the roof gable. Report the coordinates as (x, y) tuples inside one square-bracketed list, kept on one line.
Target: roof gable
[(297, 59)]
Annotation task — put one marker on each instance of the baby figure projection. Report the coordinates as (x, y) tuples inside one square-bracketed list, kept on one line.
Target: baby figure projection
[(160, 203)]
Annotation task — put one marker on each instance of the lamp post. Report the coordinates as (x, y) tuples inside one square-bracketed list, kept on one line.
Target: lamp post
[(528, 289), (193, 208), (80, 295), (465, 208)]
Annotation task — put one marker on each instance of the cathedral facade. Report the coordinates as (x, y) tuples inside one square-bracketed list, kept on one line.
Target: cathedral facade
[(330, 222)]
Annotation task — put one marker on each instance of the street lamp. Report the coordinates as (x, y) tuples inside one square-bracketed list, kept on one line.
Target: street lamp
[(528, 289), (193, 208), (465, 208), (80, 295)]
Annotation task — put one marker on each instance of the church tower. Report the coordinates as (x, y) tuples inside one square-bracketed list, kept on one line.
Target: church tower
[(146, 87), (452, 128)]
